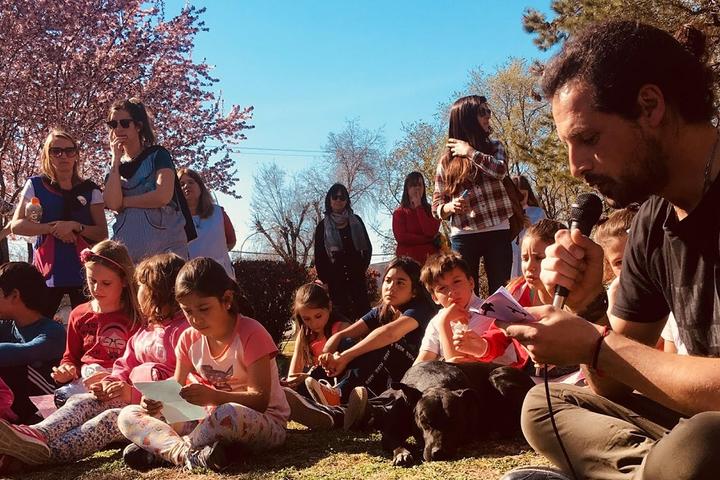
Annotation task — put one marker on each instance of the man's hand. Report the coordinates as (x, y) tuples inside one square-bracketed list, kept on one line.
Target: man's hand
[(558, 337), (575, 262)]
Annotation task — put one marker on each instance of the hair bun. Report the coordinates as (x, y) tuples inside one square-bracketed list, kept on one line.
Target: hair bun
[(693, 39)]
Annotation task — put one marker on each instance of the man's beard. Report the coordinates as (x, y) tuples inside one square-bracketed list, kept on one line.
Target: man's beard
[(642, 177)]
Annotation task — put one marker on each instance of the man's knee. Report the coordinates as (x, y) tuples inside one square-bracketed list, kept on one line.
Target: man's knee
[(689, 451), (534, 412)]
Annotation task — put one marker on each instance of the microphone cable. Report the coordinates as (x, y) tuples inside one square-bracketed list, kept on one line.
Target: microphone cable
[(554, 425)]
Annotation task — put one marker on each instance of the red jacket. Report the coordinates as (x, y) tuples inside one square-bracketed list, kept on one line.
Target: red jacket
[(414, 231)]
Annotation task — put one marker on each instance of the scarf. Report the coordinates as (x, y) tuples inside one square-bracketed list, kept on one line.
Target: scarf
[(333, 241)]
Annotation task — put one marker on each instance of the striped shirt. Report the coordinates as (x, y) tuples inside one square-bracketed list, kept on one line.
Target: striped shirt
[(488, 200)]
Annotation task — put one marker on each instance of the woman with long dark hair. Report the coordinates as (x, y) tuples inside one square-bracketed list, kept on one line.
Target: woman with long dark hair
[(414, 227), (342, 254), (470, 194), (142, 188)]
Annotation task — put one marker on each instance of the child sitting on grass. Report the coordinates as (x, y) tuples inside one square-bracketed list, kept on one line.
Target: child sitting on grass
[(447, 277), (233, 356), (528, 290), (314, 322), (99, 329), (30, 343)]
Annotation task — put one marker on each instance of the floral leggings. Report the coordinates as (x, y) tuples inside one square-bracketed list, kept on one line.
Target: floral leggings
[(81, 427), (229, 421)]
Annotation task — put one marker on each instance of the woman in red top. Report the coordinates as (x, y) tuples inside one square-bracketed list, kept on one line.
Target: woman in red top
[(414, 226)]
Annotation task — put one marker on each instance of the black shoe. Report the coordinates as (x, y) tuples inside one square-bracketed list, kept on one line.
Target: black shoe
[(212, 457), (308, 413), (535, 473), (140, 459)]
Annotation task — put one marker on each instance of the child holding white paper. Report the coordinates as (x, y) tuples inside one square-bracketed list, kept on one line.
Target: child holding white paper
[(447, 277), (99, 330), (87, 423), (233, 356)]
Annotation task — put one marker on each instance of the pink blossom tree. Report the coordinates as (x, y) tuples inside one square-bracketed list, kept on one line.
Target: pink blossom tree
[(65, 62)]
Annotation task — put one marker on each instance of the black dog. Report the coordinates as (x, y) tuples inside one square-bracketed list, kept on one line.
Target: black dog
[(444, 405)]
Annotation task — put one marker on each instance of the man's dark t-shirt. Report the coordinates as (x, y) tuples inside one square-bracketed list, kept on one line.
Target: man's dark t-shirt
[(672, 265)]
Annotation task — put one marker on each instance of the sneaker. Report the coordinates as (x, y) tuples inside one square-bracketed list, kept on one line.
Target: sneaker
[(356, 411), (306, 412), (24, 443), (140, 459), (212, 457), (322, 392), (535, 473)]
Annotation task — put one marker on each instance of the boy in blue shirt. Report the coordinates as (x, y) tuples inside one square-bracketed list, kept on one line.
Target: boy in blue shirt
[(30, 343)]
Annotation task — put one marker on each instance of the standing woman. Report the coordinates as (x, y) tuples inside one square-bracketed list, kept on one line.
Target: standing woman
[(72, 217), (469, 192), (533, 214), (152, 216), (216, 235), (342, 254), (414, 226)]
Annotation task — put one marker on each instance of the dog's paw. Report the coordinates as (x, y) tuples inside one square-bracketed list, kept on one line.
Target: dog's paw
[(402, 457)]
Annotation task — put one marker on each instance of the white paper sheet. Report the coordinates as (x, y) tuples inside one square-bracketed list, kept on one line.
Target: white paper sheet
[(175, 408)]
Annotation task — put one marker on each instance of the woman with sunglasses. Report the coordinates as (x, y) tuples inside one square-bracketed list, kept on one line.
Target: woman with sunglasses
[(72, 217), (470, 194), (342, 254), (151, 212)]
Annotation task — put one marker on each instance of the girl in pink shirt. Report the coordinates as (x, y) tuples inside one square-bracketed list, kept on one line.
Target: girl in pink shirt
[(87, 423), (233, 357)]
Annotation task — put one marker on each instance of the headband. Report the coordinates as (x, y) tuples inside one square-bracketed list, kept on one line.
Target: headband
[(87, 255)]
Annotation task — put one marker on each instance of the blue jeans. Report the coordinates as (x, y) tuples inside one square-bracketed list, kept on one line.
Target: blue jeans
[(494, 248)]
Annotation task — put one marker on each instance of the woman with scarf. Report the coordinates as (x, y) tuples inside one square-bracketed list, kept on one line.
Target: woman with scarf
[(152, 214), (72, 217), (342, 254)]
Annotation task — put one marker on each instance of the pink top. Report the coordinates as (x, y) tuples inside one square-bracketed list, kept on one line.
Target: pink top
[(150, 354), (228, 371), (6, 401), (96, 337)]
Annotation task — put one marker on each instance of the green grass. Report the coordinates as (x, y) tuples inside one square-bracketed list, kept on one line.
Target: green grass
[(312, 455)]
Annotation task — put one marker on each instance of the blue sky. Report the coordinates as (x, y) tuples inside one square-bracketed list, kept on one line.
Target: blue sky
[(308, 66)]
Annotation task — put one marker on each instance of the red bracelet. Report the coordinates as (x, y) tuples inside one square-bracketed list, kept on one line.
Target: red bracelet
[(596, 352)]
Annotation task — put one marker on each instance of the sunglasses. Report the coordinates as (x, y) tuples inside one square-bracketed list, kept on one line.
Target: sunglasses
[(124, 123), (484, 112), (69, 152), (339, 197)]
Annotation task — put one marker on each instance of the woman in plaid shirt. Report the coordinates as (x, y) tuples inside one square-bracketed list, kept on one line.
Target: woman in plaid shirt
[(469, 192)]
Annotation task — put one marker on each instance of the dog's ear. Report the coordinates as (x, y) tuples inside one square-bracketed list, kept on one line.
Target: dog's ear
[(411, 394)]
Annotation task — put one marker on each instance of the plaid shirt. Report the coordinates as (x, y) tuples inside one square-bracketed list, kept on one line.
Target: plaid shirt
[(487, 197)]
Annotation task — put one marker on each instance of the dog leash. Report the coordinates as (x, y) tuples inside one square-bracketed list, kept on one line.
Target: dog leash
[(554, 425)]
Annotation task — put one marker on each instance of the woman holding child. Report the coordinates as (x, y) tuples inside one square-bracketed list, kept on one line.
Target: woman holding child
[(469, 192), (142, 188), (72, 217)]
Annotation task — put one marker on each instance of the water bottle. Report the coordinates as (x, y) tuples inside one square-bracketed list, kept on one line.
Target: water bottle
[(33, 212)]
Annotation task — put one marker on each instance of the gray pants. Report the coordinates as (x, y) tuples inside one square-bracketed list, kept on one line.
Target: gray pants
[(639, 440)]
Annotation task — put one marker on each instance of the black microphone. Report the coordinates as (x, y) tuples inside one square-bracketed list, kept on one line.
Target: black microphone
[(584, 214)]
